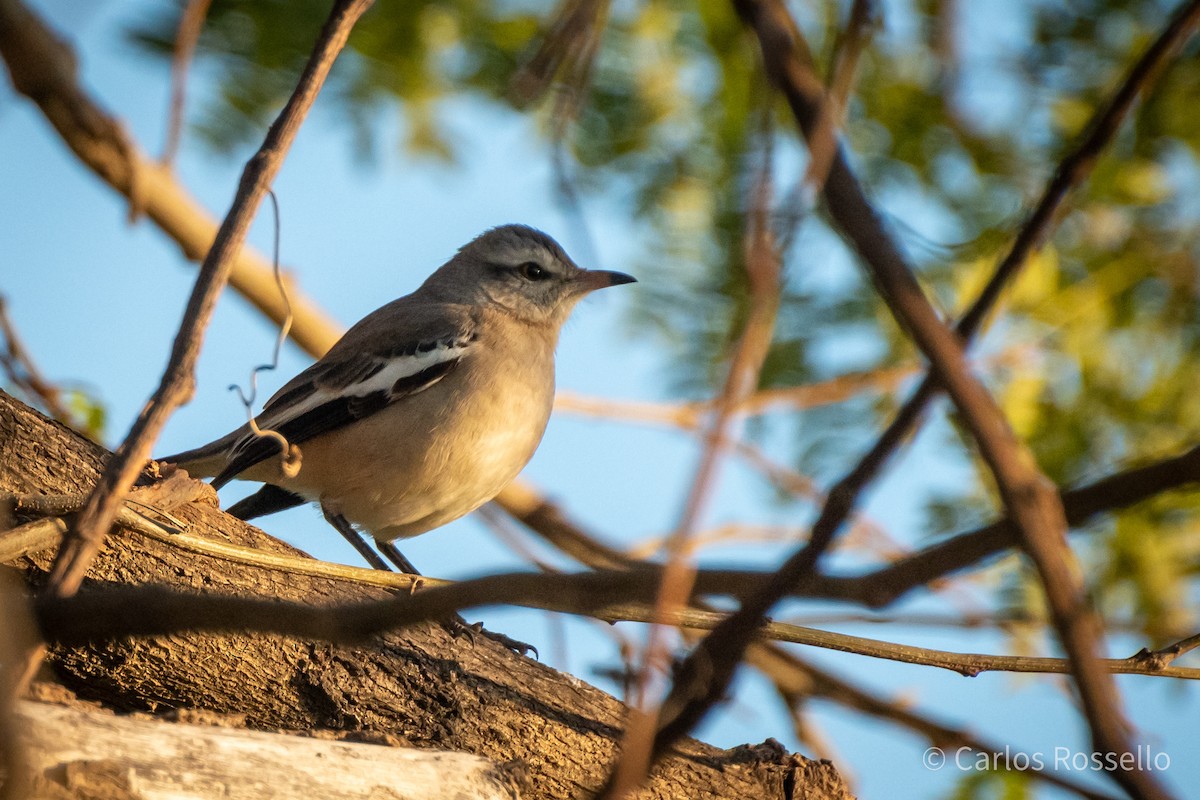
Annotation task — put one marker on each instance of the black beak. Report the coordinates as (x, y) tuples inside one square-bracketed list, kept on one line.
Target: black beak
[(592, 279)]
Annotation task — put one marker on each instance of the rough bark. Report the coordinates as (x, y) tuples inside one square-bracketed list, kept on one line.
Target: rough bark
[(421, 687)]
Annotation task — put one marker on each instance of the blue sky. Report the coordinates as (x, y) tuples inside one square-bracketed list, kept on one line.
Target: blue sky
[(97, 301)]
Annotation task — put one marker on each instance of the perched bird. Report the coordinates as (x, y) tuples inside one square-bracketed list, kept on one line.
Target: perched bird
[(425, 409)]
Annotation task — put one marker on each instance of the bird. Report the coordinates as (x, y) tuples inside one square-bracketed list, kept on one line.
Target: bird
[(426, 408)]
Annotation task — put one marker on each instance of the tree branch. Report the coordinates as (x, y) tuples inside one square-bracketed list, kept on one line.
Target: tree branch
[(763, 274), (43, 68), (888, 584), (118, 611), (177, 382), (1027, 494), (793, 676)]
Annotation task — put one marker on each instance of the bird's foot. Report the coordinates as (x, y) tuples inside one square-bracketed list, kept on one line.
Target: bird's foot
[(460, 627)]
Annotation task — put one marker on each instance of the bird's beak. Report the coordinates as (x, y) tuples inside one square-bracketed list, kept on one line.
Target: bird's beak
[(592, 279)]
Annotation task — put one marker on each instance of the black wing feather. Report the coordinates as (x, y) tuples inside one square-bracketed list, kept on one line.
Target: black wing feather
[(327, 417)]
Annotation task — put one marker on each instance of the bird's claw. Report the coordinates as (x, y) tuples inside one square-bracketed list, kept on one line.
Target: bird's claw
[(459, 627)]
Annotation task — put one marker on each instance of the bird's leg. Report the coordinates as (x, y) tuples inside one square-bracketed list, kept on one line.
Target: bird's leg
[(343, 526), (393, 554), (456, 624)]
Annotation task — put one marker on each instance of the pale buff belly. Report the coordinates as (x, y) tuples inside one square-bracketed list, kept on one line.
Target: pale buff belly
[(423, 462)]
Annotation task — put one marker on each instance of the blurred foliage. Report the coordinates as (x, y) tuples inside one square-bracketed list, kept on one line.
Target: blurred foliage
[(960, 114), (993, 784), (89, 414)]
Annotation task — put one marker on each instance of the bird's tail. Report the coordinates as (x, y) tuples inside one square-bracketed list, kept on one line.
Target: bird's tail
[(207, 460)]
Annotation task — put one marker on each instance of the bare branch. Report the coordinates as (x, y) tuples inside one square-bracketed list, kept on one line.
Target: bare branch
[(191, 22), (20, 368), (117, 610), (1025, 491), (43, 68), (176, 387), (823, 142), (832, 687), (792, 675), (692, 415), (1120, 490)]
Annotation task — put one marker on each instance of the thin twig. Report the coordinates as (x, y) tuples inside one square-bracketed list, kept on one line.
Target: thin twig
[(290, 456), (190, 24), (24, 373), (705, 674), (970, 621), (693, 415), (762, 264), (119, 610), (763, 401), (45, 534), (823, 143), (571, 44), (886, 585), (567, 52), (823, 684), (178, 381), (44, 69)]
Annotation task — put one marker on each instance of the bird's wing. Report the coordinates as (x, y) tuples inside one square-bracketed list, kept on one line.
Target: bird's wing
[(395, 352)]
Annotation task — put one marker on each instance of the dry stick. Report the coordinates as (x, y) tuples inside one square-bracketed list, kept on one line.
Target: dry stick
[(109, 612), (792, 676), (823, 142), (570, 39), (707, 672), (888, 584), (1071, 172), (1028, 496), (24, 373), (678, 577), (691, 415), (882, 586), (177, 383), (188, 33), (828, 686), (1000, 621), (43, 68)]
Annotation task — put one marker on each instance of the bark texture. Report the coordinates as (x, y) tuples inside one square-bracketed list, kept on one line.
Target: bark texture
[(420, 687)]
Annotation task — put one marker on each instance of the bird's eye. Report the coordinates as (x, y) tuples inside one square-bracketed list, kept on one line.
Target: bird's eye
[(532, 271)]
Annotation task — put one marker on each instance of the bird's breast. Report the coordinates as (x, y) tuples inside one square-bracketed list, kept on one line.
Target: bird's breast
[(437, 455)]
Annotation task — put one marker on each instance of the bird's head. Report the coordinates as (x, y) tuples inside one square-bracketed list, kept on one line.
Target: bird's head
[(522, 271)]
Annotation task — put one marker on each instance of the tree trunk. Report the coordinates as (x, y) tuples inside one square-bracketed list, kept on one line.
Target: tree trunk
[(420, 687)]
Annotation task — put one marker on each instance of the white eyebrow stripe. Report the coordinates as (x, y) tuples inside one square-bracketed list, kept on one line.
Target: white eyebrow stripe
[(396, 367)]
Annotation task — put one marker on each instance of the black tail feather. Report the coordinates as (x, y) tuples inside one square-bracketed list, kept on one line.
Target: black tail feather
[(267, 500)]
